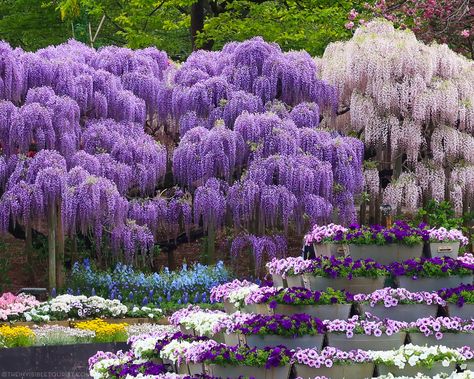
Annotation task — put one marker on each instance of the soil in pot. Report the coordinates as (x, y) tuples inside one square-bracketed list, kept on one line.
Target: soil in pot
[(350, 371), (365, 342)]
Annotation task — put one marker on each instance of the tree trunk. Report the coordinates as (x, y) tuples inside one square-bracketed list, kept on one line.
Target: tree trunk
[(29, 252), (60, 269), (197, 21), (211, 245), (52, 246), (74, 249)]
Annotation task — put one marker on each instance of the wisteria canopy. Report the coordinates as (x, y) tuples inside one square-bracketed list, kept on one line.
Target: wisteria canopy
[(133, 148)]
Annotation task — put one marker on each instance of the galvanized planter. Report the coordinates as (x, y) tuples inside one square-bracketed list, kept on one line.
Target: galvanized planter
[(350, 371), (410, 371), (432, 284), (452, 340), (278, 281), (466, 312), (234, 372), (229, 308), (354, 285), (323, 312), (294, 281), (331, 249), (364, 342), (386, 254), (304, 342), (444, 249), (401, 312)]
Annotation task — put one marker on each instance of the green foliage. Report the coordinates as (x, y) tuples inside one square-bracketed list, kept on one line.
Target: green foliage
[(439, 214)]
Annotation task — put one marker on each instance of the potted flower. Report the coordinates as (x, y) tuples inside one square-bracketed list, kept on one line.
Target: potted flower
[(232, 294), (365, 334), (355, 276), (333, 363), (460, 301), (452, 332), (385, 245), (431, 274), (241, 361), (399, 304), (444, 242), (289, 271), (327, 240), (199, 322), (468, 355), (299, 330), (330, 304), (410, 360)]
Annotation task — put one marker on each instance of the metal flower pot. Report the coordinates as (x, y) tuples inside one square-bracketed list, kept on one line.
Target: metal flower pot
[(331, 249), (196, 369), (186, 330), (386, 254), (412, 371), (304, 342), (349, 371), (401, 312), (466, 312), (278, 281), (234, 372), (354, 285), (323, 312), (452, 340), (294, 281), (365, 342), (231, 339), (444, 249), (432, 284), (250, 308), (229, 307)]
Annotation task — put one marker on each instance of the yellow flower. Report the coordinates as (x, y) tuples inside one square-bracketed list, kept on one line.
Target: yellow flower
[(104, 331), (16, 336)]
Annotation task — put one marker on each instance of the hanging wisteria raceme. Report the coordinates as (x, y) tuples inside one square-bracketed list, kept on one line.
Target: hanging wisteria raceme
[(411, 103), (131, 239), (403, 192), (203, 154), (260, 247), (210, 205)]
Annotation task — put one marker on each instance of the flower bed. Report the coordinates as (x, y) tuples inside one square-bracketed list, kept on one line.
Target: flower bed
[(431, 274), (460, 301), (409, 360), (328, 304), (12, 307), (333, 363), (365, 334), (451, 332), (399, 304)]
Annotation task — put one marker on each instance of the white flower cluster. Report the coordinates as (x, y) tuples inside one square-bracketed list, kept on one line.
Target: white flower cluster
[(203, 323), (454, 375), (71, 306), (417, 356), (237, 297), (174, 351)]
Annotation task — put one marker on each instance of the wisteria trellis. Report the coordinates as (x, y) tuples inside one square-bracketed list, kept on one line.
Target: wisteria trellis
[(251, 147)]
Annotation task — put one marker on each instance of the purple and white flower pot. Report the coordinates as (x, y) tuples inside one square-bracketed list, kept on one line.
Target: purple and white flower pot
[(354, 285), (466, 312), (412, 371), (234, 372), (278, 281), (349, 371), (401, 312), (386, 254), (331, 249), (304, 342), (432, 284), (365, 342), (444, 249), (449, 339), (294, 281), (323, 312), (229, 308)]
